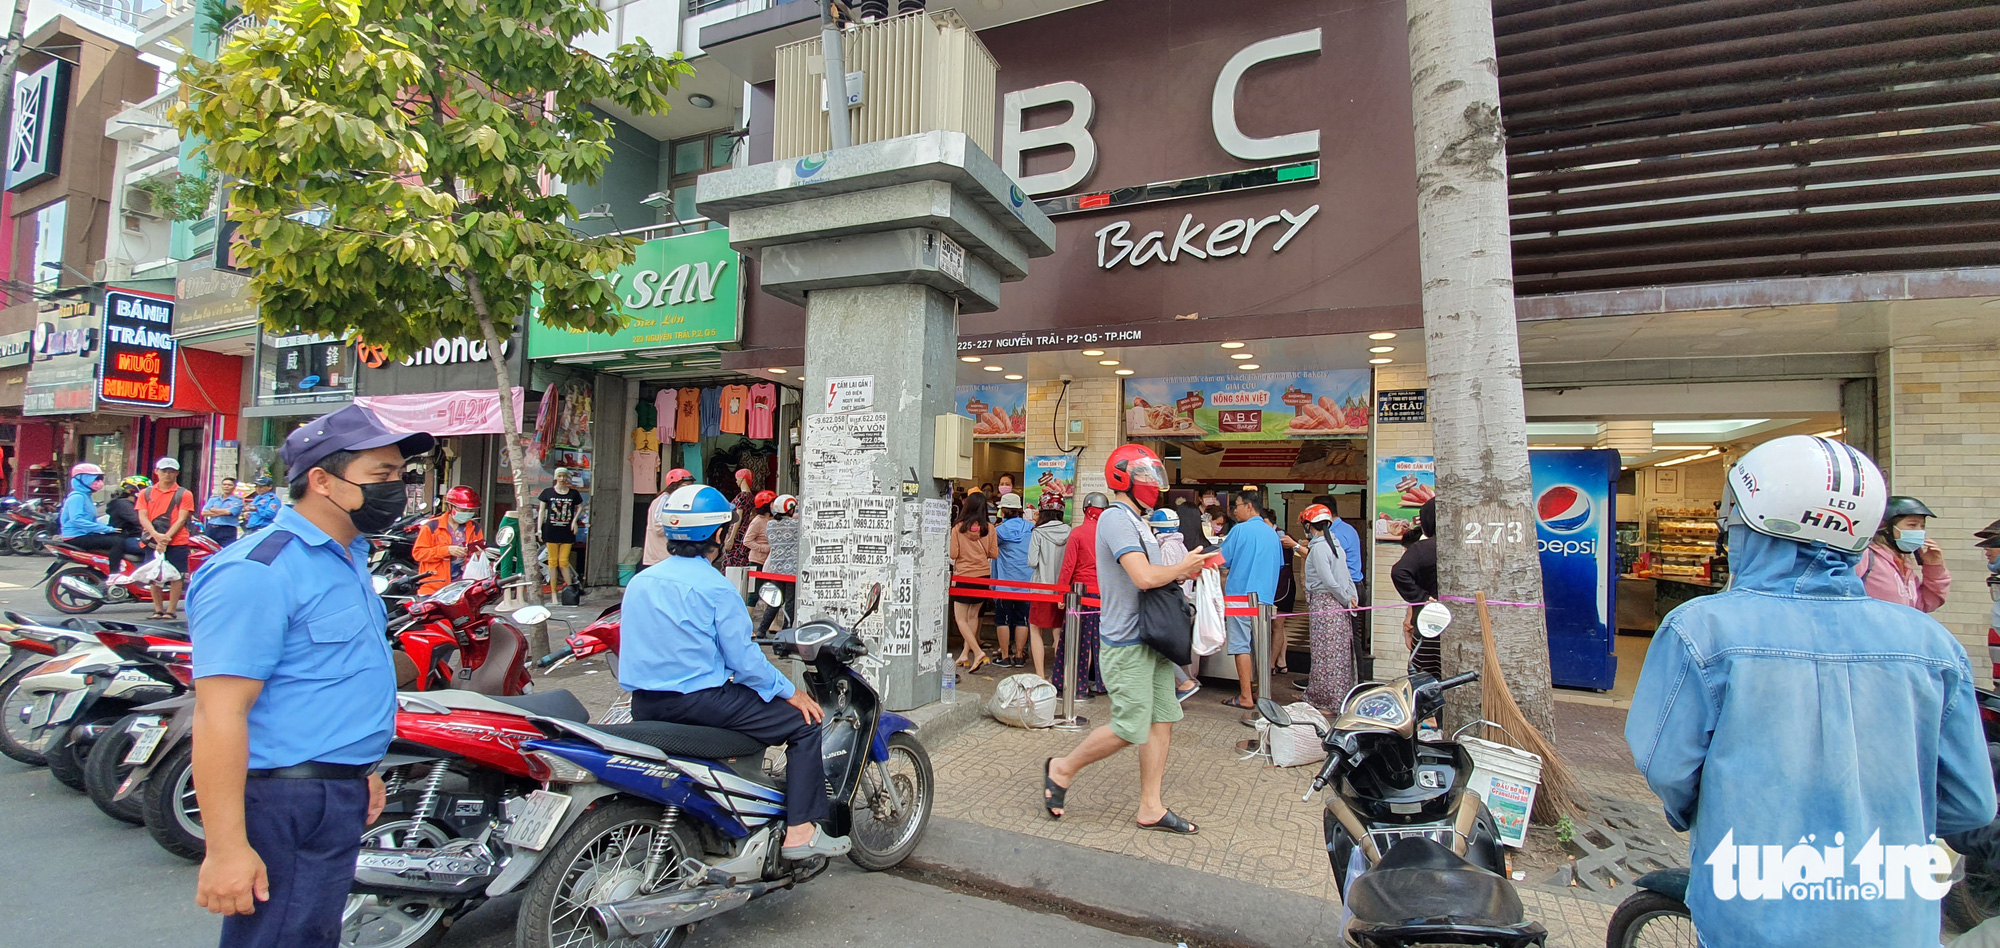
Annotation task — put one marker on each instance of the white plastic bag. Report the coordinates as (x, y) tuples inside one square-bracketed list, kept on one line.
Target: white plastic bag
[(1296, 745), (1209, 633), (155, 570), (477, 566), (1024, 700)]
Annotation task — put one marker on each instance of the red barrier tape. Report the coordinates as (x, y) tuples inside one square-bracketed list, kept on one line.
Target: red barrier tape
[(1015, 583), (779, 577)]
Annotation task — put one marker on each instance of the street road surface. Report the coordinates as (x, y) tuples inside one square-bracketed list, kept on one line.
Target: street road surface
[(75, 877)]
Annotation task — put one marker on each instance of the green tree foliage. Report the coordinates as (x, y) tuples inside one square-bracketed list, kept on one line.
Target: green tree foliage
[(389, 159)]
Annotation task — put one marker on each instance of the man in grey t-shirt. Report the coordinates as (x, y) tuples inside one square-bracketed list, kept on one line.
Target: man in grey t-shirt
[(1144, 701)]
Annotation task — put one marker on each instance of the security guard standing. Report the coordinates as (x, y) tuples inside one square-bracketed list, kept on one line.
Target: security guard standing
[(296, 704)]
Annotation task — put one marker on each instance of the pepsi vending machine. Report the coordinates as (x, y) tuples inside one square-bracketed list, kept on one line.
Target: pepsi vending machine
[(1576, 531)]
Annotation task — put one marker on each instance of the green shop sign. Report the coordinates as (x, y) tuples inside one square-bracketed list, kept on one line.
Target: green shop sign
[(683, 291)]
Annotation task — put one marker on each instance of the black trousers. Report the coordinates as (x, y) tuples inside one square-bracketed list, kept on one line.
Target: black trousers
[(112, 545), (308, 832), (733, 707)]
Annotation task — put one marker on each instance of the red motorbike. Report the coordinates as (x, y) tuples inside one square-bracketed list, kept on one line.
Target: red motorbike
[(77, 582), (447, 641), (462, 822), (599, 637)]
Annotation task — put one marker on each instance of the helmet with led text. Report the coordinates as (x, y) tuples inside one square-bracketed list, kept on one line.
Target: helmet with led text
[(763, 499), (462, 497), (785, 505), (694, 513), (1317, 513), (1806, 489), (1135, 470)]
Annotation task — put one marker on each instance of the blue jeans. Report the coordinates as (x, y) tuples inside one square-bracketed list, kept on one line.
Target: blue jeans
[(308, 832)]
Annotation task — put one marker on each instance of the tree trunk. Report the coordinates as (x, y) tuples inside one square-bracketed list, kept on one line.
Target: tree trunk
[(531, 546), (1486, 526)]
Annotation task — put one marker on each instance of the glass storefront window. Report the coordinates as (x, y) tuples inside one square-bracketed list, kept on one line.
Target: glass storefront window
[(303, 369), (51, 223)]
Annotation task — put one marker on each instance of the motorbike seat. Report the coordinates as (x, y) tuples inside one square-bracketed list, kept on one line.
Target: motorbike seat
[(1421, 880), (549, 704), (686, 740)]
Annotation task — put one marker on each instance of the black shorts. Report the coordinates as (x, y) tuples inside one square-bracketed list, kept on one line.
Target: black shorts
[(178, 557), (1010, 612)]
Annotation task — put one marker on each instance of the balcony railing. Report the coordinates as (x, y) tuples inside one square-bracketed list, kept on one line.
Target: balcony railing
[(671, 228), (132, 13)]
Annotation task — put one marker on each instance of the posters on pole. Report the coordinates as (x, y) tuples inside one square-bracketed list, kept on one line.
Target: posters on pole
[(1051, 476), (1333, 403), (1402, 485), (998, 412)]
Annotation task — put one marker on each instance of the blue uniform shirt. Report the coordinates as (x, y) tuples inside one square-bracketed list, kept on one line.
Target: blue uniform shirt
[(1253, 554), (686, 630), (264, 508), (1350, 547), (310, 627), (229, 502), (1013, 562)]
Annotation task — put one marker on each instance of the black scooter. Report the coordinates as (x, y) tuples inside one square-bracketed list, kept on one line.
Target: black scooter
[(1415, 853)]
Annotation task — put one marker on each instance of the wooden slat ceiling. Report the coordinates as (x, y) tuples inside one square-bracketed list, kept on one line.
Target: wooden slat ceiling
[(1653, 141)]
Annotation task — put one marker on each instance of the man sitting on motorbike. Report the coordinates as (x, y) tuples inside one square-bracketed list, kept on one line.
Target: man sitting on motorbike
[(1793, 718), (687, 658), (445, 541), (78, 523)]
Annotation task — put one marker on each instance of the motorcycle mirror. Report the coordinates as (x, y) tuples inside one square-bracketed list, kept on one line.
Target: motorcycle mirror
[(771, 595), (1432, 620), (1273, 712), (531, 615), (874, 600)]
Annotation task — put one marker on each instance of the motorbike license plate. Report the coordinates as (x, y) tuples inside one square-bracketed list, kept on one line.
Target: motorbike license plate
[(540, 811), (66, 708), (148, 740), (387, 862), (38, 713)]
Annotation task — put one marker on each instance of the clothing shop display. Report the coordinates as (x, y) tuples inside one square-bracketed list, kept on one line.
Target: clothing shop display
[(687, 423), (645, 461), (735, 404), (763, 411), (666, 404), (648, 416), (711, 412)]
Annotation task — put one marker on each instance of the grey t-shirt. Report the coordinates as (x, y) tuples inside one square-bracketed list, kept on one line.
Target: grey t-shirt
[(1119, 531)]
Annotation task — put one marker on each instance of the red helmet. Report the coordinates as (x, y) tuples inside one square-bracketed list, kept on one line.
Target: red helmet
[(464, 498), (1316, 513), (678, 475), (763, 499), (1134, 464)]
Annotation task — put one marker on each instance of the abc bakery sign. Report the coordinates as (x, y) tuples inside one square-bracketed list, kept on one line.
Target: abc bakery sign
[(1115, 242)]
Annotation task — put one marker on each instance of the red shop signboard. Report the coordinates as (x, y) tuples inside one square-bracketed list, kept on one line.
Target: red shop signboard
[(138, 349)]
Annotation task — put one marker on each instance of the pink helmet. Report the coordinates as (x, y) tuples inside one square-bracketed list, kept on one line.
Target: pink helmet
[(86, 468)]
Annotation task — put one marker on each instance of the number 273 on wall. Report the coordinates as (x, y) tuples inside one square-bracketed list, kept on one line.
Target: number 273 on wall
[(1497, 531)]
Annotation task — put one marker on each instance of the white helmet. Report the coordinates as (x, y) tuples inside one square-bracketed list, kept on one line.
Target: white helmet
[(1807, 489), (785, 506)]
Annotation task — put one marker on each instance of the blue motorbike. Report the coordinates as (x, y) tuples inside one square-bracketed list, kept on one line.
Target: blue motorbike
[(651, 827)]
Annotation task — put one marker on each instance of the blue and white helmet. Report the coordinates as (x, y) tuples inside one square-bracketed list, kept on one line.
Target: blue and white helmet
[(694, 513), (1164, 520)]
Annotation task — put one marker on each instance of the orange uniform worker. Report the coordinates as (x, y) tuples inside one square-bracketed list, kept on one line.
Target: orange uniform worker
[(446, 541)]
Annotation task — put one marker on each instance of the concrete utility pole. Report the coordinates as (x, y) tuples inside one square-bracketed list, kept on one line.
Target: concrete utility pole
[(831, 12), (885, 244), (1486, 520)]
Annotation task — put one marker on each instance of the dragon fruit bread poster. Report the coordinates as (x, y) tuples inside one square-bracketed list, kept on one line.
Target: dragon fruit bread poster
[(998, 412), (1267, 406)]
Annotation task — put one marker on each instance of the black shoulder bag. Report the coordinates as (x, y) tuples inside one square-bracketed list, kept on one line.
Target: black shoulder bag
[(1166, 618)]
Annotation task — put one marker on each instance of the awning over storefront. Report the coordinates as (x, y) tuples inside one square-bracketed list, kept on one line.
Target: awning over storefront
[(474, 412)]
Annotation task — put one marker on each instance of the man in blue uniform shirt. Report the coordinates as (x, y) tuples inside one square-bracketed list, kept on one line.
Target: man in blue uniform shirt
[(687, 658), (262, 507), (297, 701)]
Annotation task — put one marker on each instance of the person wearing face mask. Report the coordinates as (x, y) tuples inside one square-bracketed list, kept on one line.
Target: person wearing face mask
[(296, 698), (445, 542), (78, 521), (1903, 564), (687, 658), (164, 511)]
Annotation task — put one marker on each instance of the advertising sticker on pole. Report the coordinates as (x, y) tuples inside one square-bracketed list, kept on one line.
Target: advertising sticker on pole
[(1401, 487), (1051, 482)]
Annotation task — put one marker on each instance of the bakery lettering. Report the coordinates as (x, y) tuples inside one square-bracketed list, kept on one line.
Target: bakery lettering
[(1234, 236)]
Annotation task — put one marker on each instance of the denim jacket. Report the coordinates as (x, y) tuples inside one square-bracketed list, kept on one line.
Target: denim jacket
[(1813, 740)]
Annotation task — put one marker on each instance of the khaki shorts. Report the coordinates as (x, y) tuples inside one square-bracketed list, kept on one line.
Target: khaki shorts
[(1141, 683)]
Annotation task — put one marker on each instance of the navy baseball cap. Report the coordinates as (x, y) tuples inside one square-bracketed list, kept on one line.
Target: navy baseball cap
[(353, 428), (265, 481)]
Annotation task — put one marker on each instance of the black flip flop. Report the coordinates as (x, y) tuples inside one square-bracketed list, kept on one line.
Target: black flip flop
[(1235, 702), (1172, 823), (1052, 793)]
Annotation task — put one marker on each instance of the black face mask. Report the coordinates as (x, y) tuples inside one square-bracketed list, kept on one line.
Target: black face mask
[(381, 504)]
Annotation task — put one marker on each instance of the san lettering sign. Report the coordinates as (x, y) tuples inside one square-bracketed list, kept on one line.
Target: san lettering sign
[(138, 367), (682, 291), (34, 144)]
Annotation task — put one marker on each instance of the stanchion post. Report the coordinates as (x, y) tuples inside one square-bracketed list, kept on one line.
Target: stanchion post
[(1260, 644), (1072, 641)]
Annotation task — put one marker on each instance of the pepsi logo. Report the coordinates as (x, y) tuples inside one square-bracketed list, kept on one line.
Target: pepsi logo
[(1564, 509)]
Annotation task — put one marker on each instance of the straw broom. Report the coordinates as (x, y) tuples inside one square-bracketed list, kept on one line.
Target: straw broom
[(1560, 794)]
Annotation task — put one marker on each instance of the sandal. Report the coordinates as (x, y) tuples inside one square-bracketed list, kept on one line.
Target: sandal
[(1172, 823), (976, 665), (1052, 793), (1236, 702)]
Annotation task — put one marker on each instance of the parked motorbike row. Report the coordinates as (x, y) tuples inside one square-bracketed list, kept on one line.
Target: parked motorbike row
[(618, 833)]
